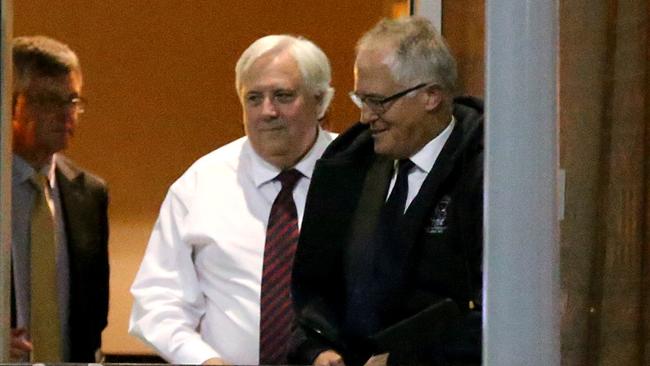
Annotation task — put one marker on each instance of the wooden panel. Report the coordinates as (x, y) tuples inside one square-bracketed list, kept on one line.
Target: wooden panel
[(463, 25)]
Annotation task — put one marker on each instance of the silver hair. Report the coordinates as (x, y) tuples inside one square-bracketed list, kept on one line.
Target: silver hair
[(313, 64), (418, 53)]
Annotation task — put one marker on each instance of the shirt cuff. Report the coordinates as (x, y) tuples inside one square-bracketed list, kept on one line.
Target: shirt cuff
[(194, 353)]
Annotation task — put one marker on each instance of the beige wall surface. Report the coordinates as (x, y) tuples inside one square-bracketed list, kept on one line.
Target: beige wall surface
[(159, 77)]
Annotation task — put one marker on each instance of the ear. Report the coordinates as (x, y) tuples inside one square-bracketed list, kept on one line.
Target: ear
[(319, 104), (18, 106), (434, 97), (319, 99), (322, 102)]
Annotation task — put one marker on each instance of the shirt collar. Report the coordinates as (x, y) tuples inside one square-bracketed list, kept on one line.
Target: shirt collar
[(23, 171), (264, 172), (426, 157)]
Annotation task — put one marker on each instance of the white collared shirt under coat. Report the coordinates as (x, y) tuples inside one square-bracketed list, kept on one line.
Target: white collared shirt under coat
[(423, 160)]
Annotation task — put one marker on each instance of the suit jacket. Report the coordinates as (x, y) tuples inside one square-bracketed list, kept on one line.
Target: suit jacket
[(84, 204), (431, 315), (84, 201)]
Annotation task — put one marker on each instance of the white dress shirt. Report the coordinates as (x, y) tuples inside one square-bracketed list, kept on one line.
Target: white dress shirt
[(423, 160), (197, 293), (21, 210)]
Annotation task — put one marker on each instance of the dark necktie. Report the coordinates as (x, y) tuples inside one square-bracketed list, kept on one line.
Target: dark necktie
[(276, 309), (397, 201), (376, 280), (45, 326)]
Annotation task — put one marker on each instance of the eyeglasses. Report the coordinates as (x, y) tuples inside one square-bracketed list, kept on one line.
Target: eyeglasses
[(52, 102), (377, 104)]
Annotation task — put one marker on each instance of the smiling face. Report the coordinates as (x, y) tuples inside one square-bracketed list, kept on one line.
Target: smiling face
[(407, 123), (280, 115), (43, 120)]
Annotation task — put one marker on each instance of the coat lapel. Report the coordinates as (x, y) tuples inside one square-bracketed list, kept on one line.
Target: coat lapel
[(68, 180), (371, 201), (74, 204), (427, 197)]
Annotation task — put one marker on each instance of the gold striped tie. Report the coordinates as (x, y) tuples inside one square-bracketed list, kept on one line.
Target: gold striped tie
[(45, 325)]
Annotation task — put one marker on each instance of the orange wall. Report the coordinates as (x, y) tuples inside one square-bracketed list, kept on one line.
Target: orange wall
[(159, 77)]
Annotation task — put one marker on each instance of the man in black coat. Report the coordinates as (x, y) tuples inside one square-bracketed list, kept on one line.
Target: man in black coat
[(62, 263), (388, 267)]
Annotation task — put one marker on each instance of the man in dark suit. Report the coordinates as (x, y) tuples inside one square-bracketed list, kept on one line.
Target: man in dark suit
[(59, 257), (388, 267)]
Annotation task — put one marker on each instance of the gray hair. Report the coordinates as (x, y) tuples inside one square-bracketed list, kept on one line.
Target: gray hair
[(419, 53), (313, 64), (40, 56)]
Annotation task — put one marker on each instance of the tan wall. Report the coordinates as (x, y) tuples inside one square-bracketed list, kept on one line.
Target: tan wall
[(159, 77)]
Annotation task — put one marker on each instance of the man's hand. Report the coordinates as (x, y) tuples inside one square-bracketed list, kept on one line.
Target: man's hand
[(215, 361), (329, 358), (378, 360), (19, 346)]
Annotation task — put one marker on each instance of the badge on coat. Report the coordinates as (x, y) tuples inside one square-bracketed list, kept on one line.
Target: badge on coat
[(438, 222)]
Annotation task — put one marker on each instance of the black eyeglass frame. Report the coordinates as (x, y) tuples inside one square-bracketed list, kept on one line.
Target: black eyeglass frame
[(379, 105)]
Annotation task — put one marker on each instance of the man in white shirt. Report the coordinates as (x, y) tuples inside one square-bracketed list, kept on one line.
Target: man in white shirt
[(198, 291)]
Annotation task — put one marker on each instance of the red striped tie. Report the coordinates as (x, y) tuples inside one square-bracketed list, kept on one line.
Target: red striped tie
[(281, 239)]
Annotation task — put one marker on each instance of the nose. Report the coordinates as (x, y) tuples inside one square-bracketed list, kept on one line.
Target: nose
[(269, 108), (368, 115)]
